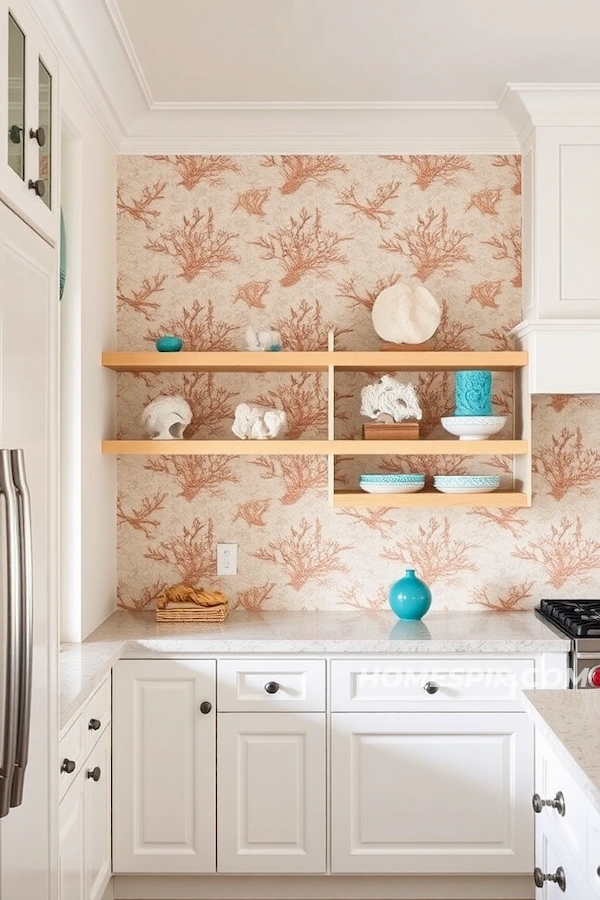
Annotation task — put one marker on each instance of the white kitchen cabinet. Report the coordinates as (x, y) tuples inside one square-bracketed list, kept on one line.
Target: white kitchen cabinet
[(164, 766), (85, 807), (561, 264), (28, 119), (71, 843), (567, 832), (271, 798), (431, 792), (97, 784)]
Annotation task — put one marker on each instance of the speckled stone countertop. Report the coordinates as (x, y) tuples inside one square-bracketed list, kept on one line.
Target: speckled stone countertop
[(570, 723), (138, 634)]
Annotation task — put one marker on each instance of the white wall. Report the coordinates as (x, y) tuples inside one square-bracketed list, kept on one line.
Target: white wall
[(88, 189)]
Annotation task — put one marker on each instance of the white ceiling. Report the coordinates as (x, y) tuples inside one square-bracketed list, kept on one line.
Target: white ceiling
[(188, 52)]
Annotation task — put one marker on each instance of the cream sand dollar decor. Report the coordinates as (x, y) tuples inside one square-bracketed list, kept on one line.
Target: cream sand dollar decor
[(405, 313)]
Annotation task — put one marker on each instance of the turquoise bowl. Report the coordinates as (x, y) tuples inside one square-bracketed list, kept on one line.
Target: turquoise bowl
[(168, 343), (396, 478), (409, 597)]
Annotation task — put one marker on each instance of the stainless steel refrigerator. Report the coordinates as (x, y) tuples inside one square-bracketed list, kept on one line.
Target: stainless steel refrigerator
[(28, 563)]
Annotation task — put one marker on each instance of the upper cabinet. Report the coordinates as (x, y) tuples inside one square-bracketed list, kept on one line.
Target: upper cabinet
[(560, 136), (28, 120)]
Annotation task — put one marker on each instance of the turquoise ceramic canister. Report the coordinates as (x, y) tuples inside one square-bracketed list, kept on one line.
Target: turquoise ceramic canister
[(410, 598), (473, 393)]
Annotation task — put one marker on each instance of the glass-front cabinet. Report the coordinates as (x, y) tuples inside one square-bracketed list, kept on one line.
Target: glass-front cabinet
[(28, 107)]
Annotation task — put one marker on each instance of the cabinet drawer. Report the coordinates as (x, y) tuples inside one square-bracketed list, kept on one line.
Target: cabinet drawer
[(97, 709), (71, 749), (593, 861), (551, 778), (256, 685), (392, 685), (551, 854)]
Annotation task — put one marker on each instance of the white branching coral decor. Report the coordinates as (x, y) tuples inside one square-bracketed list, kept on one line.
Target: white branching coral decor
[(390, 401)]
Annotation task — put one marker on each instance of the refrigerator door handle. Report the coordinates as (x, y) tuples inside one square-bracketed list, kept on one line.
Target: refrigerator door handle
[(26, 621), (11, 649)]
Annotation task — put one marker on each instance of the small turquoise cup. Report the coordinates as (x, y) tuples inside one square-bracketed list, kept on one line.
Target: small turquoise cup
[(168, 343)]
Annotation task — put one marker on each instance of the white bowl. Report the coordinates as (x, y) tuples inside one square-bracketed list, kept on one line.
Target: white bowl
[(465, 489), (397, 488), (473, 428), (466, 484), (467, 480)]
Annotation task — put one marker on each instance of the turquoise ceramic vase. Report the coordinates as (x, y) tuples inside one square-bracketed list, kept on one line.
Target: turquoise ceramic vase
[(473, 393), (410, 598)]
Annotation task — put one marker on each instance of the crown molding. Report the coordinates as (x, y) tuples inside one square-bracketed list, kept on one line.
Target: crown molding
[(122, 34), (95, 49), (327, 105), (554, 326), (324, 128), (529, 106), (90, 52)]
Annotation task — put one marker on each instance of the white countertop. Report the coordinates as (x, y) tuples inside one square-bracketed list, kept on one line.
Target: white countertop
[(570, 723), (138, 634)]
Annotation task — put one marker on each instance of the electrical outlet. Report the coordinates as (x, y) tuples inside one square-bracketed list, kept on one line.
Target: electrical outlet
[(226, 559)]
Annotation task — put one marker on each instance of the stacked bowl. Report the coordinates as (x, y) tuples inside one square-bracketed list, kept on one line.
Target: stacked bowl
[(398, 483), (466, 484)]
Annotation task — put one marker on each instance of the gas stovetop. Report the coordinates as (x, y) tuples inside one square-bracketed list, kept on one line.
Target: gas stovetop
[(577, 618)]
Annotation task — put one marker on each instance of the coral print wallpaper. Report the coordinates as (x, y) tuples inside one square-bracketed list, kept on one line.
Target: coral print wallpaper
[(209, 245)]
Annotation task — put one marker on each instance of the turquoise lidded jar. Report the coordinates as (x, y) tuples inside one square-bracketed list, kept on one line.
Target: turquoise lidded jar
[(410, 598), (473, 393)]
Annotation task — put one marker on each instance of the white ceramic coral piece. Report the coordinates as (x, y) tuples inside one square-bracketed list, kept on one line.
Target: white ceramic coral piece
[(390, 397), (166, 418), (258, 422), (405, 313), (262, 339)]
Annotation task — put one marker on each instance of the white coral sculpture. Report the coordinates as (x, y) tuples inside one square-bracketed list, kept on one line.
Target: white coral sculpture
[(258, 422), (262, 339), (390, 401), (166, 418)]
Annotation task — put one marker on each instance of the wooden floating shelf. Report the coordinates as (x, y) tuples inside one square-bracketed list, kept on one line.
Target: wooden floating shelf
[(414, 361), (315, 361), (423, 499), (244, 361), (315, 448)]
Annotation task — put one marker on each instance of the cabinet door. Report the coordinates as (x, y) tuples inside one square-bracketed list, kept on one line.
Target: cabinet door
[(71, 843), (553, 857), (431, 792), (28, 119), (271, 792), (97, 818), (163, 766)]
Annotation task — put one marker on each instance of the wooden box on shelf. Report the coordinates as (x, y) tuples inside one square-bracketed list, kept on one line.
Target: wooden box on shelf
[(390, 431)]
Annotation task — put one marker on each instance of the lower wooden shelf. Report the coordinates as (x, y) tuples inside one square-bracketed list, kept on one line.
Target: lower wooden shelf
[(316, 448), (423, 499)]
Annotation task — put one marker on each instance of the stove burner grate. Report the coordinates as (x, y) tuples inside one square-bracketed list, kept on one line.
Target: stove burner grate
[(580, 618)]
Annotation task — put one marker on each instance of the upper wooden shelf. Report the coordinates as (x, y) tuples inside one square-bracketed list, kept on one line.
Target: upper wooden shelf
[(314, 361)]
